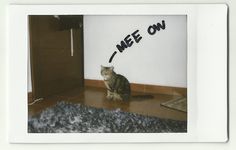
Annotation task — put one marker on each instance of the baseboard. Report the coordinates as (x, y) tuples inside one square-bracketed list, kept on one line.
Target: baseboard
[(143, 88)]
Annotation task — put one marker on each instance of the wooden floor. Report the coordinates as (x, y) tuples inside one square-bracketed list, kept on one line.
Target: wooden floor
[(96, 97)]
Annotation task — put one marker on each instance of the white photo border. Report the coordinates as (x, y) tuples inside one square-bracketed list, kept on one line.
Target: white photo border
[(206, 72)]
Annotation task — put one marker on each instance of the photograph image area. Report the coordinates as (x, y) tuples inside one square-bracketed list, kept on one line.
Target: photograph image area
[(107, 74)]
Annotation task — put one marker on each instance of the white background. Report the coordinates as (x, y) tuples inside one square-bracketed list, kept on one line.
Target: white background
[(3, 114), (159, 59)]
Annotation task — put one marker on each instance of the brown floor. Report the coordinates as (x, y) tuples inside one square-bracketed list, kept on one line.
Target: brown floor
[(96, 97)]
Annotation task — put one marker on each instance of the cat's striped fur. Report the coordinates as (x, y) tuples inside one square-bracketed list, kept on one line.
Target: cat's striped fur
[(118, 87)]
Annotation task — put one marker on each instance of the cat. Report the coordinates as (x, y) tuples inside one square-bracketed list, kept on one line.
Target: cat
[(118, 86)]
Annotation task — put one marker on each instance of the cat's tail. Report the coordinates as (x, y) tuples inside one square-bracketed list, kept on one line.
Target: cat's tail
[(142, 97)]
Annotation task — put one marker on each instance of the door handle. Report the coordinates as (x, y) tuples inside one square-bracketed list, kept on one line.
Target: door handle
[(71, 42)]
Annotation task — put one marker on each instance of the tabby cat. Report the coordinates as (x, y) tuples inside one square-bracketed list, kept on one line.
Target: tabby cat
[(118, 87)]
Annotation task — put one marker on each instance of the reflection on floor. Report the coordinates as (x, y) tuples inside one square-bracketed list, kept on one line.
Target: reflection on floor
[(96, 97)]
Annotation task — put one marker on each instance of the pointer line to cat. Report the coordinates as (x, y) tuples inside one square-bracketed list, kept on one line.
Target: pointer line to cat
[(110, 60)]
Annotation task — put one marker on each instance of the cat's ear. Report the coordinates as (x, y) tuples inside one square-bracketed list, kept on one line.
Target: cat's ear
[(112, 68)]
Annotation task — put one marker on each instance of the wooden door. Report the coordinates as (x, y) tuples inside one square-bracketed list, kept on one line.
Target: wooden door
[(54, 66)]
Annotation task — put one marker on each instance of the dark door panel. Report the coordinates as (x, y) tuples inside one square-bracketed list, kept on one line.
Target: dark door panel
[(54, 68)]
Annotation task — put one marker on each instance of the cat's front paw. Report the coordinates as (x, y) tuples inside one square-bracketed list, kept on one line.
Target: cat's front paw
[(109, 97), (117, 97)]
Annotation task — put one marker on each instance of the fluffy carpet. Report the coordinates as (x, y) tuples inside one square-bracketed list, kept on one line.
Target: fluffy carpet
[(75, 118)]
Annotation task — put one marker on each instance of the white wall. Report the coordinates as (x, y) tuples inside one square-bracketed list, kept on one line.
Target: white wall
[(159, 59)]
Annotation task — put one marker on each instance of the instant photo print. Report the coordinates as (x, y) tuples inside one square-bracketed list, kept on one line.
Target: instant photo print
[(123, 73)]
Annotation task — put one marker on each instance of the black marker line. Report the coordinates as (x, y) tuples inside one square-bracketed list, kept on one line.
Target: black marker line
[(110, 60)]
